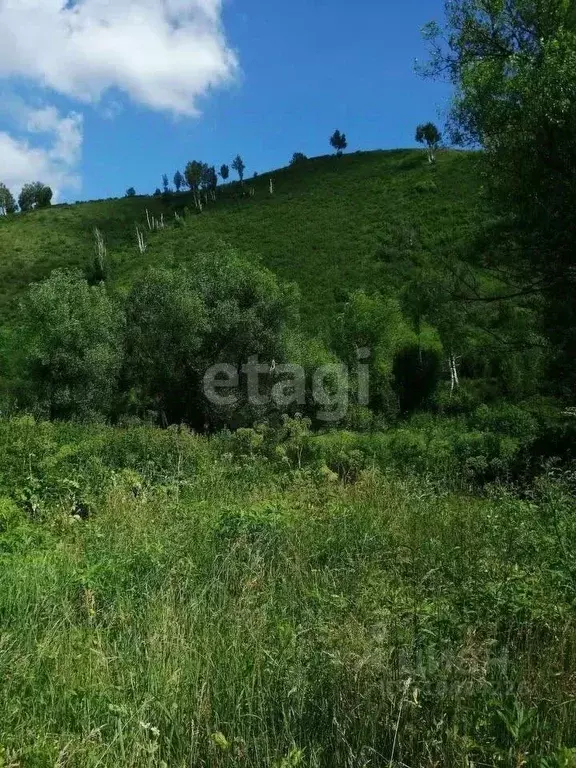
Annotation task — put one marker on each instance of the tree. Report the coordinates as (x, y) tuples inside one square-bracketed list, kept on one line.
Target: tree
[(298, 158), (209, 178), (35, 195), (7, 202), (239, 167), (339, 142), (178, 181), (193, 175), (180, 323), (130, 192), (68, 348), (26, 198), (157, 192), (428, 134), (224, 172), (165, 186), (513, 65), (43, 195)]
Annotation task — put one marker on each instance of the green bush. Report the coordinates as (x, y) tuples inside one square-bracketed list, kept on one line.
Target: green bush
[(67, 349), (426, 187)]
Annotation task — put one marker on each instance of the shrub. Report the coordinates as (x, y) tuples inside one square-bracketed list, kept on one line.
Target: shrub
[(68, 348), (426, 187), (181, 323), (298, 158)]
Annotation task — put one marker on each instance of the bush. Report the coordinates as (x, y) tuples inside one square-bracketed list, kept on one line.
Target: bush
[(181, 323), (298, 158), (68, 348), (426, 187)]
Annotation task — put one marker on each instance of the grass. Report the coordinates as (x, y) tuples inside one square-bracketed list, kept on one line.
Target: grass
[(332, 225), (222, 612)]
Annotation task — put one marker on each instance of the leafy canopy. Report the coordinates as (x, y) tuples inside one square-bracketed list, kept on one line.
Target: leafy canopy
[(36, 195), (69, 346), (514, 67), (339, 142), (7, 201), (239, 166)]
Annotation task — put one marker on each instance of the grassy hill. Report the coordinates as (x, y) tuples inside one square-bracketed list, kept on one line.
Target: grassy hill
[(332, 225)]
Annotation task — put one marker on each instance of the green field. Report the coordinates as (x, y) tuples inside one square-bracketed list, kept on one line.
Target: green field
[(215, 609)]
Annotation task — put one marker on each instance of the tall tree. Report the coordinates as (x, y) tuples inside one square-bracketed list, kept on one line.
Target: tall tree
[(178, 181), (339, 142), (239, 167), (428, 134), (165, 185), (193, 175), (209, 178), (224, 172), (7, 202), (130, 192), (513, 65)]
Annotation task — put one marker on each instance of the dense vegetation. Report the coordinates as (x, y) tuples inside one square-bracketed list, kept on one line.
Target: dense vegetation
[(287, 470), (206, 606)]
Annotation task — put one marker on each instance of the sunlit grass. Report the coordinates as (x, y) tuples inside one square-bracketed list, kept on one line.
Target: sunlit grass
[(262, 619)]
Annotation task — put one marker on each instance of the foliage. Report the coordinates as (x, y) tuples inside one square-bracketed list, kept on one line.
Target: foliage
[(209, 177), (36, 195), (180, 323), (372, 231), (339, 142), (193, 174), (179, 180), (283, 617), (67, 348), (239, 166), (514, 67), (130, 192), (224, 172), (428, 134), (298, 157), (7, 202), (329, 238)]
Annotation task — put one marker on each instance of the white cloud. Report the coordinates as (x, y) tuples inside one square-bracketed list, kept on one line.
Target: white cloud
[(53, 160), (164, 54)]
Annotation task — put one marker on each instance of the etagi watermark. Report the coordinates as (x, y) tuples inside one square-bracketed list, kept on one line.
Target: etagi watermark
[(286, 385)]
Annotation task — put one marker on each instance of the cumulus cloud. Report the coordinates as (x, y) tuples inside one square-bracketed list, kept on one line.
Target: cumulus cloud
[(52, 158), (165, 54)]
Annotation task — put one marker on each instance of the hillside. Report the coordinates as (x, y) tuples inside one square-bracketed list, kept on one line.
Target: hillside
[(332, 225)]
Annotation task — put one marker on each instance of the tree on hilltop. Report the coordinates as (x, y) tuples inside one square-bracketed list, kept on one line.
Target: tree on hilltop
[(239, 166), (36, 195), (428, 134), (339, 142)]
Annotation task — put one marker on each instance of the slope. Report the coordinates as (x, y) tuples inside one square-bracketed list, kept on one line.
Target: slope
[(332, 225)]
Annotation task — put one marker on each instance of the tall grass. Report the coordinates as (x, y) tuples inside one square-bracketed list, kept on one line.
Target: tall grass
[(254, 618)]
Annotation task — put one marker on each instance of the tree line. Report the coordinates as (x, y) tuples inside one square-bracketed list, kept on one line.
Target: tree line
[(34, 195)]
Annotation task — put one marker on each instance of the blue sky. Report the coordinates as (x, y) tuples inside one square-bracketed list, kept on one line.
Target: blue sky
[(121, 96)]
